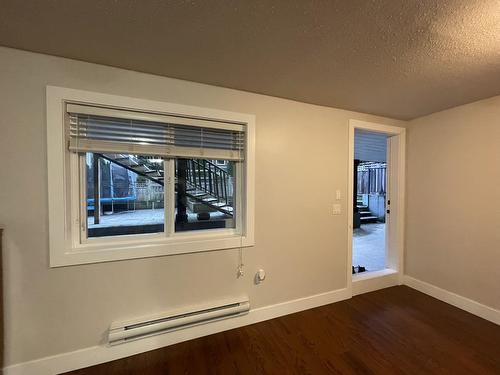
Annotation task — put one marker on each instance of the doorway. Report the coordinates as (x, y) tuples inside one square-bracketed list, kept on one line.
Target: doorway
[(376, 185), (370, 190)]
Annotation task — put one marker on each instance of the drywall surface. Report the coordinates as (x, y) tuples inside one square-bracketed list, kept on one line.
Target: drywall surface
[(453, 215), (301, 159)]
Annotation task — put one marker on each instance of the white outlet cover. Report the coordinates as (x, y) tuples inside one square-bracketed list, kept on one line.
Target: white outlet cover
[(337, 209)]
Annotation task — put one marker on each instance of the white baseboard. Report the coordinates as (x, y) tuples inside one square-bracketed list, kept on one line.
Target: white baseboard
[(100, 354), (370, 281), (471, 306)]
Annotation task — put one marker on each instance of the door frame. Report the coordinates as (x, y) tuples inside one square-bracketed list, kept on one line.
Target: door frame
[(370, 281)]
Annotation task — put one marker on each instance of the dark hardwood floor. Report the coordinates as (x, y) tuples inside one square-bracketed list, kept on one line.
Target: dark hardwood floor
[(392, 331)]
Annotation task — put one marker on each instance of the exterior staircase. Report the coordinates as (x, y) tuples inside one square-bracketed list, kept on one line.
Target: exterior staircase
[(365, 214), (207, 183)]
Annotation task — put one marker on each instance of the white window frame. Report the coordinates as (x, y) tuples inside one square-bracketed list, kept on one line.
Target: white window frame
[(65, 188)]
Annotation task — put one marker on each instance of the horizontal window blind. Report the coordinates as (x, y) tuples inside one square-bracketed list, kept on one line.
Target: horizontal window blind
[(97, 129)]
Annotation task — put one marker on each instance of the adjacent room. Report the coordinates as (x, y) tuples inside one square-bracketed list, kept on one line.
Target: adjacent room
[(249, 187)]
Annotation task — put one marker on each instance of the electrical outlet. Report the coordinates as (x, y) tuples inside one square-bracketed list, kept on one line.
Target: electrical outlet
[(337, 209)]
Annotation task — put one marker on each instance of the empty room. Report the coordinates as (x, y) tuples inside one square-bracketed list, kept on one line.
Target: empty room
[(249, 187)]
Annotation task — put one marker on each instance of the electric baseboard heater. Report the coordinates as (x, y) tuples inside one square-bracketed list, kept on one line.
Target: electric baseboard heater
[(136, 329)]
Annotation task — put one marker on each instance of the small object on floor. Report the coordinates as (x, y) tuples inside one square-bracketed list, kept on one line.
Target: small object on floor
[(203, 216), (353, 270), (361, 269)]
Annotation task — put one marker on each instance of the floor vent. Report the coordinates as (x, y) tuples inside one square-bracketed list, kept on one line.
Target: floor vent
[(137, 329)]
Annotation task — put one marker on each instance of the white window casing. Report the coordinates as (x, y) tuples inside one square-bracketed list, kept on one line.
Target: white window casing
[(82, 121)]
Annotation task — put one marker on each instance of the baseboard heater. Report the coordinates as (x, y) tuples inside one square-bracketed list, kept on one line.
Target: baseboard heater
[(139, 328)]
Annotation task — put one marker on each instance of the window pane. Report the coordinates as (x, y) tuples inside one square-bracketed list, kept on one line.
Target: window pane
[(130, 199), (204, 194)]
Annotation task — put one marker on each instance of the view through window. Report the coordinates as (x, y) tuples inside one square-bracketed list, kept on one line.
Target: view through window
[(205, 194), (130, 194), (129, 191)]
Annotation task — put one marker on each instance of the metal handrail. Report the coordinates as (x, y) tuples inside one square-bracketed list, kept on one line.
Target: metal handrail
[(207, 177)]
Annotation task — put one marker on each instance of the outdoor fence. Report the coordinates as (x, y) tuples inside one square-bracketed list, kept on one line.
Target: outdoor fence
[(148, 195), (372, 178)]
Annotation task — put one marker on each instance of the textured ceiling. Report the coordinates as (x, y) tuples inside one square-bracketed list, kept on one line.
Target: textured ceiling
[(401, 59)]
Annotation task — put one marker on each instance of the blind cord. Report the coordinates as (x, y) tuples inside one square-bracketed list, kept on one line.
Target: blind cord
[(240, 272)]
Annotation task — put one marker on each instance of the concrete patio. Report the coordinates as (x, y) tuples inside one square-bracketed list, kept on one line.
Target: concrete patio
[(368, 246), (140, 218)]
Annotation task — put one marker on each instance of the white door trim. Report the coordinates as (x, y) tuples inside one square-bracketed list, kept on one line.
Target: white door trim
[(400, 212)]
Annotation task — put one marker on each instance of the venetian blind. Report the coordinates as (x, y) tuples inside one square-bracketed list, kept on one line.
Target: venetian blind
[(98, 129)]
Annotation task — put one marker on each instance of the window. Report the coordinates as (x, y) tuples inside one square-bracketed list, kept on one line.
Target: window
[(144, 178)]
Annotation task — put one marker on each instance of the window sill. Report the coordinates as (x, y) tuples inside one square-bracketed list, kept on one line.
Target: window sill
[(175, 245)]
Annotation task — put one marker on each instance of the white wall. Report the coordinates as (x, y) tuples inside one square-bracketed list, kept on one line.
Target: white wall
[(301, 161), (453, 206)]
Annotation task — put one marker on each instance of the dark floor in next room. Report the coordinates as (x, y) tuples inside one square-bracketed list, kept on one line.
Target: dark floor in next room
[(391, 331)]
